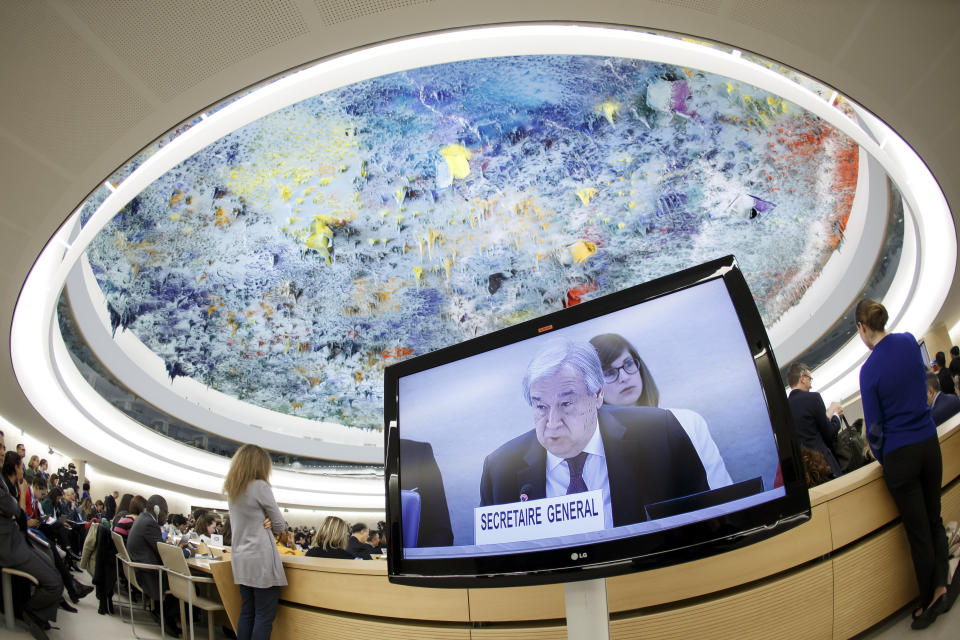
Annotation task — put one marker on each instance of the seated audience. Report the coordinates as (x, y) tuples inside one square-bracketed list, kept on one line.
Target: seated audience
[(204, 527), (87, 510), (122, 508), (357, 544), (331, 540), (125, 522), (943, 405), (38, 491), (285, 546), (227, 532), (815, 467), (16, 552), (374, 541), (32, 470)]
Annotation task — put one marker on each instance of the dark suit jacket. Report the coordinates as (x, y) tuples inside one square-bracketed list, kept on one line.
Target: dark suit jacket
[(419, 471), (142, 547), (359, 549), (954, 366), (813, 428), (649, 459), (946, 381), (945, 406)]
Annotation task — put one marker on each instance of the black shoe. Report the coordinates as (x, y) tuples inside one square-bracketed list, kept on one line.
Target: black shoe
[(82, 590), (66, 606), (34, 626), (930, 614), (102, 609)]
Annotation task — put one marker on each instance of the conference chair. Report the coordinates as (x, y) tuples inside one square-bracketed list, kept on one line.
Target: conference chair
[(129, 570), (410, 516), (8, 612), (183, 587)]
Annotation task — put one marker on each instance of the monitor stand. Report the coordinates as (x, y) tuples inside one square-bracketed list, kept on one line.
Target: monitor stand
[(587, 614)]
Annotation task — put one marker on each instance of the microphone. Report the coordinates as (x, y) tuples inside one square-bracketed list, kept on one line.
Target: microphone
[(525, 492)]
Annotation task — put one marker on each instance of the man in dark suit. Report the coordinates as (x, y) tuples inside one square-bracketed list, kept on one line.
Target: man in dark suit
[(813, 427), (421, 473), (635, 455), (142, 547), (357, 542), (943, 405), (954, 361), (943, 374)]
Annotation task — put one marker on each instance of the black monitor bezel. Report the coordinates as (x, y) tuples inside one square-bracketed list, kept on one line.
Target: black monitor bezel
[(625, 555)]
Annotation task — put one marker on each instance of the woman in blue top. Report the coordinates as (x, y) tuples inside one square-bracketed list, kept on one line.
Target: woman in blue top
[(903, 438)]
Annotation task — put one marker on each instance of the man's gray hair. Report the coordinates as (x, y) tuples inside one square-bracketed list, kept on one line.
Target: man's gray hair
[(581, 356)]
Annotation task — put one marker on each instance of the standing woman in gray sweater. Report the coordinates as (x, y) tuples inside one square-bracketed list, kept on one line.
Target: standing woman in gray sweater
[(254, 517)]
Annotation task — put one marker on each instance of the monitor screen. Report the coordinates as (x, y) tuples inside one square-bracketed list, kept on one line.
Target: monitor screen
[(631, 431)]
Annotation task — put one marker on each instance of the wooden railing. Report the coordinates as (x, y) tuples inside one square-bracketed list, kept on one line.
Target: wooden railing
[(832, 577)]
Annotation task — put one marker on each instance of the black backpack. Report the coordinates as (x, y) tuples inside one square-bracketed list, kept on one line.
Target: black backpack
[(848, 447)]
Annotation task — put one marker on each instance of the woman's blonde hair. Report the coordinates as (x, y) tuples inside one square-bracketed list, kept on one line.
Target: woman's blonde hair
[(332, 534), (249, 463)]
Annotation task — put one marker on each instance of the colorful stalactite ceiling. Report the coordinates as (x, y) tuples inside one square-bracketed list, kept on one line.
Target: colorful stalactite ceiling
[(289, 262)]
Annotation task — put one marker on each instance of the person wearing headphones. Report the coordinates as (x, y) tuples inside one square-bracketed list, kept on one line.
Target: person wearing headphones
[(142, 547)]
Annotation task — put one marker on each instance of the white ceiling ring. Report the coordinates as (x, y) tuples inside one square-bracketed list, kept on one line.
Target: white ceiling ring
[(31, 350)]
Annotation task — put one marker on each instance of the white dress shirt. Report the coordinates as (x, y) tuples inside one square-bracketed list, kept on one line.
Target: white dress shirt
[(594, 475)]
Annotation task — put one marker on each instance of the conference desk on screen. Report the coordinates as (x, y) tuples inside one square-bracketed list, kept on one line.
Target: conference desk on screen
[(832, 577)]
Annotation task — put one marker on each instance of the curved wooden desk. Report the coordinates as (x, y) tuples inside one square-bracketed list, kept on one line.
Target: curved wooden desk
[(836, 575)]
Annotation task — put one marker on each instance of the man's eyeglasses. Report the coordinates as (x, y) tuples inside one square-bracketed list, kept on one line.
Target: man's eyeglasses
[(612, 374)]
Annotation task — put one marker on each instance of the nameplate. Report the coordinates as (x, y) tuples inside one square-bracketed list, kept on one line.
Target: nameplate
[(538, 519)]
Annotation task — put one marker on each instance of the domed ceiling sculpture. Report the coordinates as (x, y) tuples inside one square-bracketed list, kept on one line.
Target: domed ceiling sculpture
[(289, 262)]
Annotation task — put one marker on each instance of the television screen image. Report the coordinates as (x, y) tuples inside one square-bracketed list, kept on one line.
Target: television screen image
[(602, 437)]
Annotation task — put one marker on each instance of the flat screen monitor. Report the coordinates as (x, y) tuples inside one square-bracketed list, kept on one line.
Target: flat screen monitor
[(640, 429)]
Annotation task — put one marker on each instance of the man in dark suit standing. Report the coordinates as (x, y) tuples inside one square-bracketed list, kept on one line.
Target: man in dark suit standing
[(635, 455), (943, 374), (943, 405), (954, 361), (814, 429)]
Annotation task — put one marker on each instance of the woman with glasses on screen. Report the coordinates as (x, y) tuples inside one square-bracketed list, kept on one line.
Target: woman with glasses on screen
[(627, 382)]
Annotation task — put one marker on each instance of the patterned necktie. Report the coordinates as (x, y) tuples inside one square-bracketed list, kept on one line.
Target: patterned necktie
[(575, 464)]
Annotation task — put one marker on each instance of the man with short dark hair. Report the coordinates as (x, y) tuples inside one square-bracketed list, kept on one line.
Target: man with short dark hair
[(943, 374), (954, 361), (374, 540), (357, 542), (943, 405), (814, 429)]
